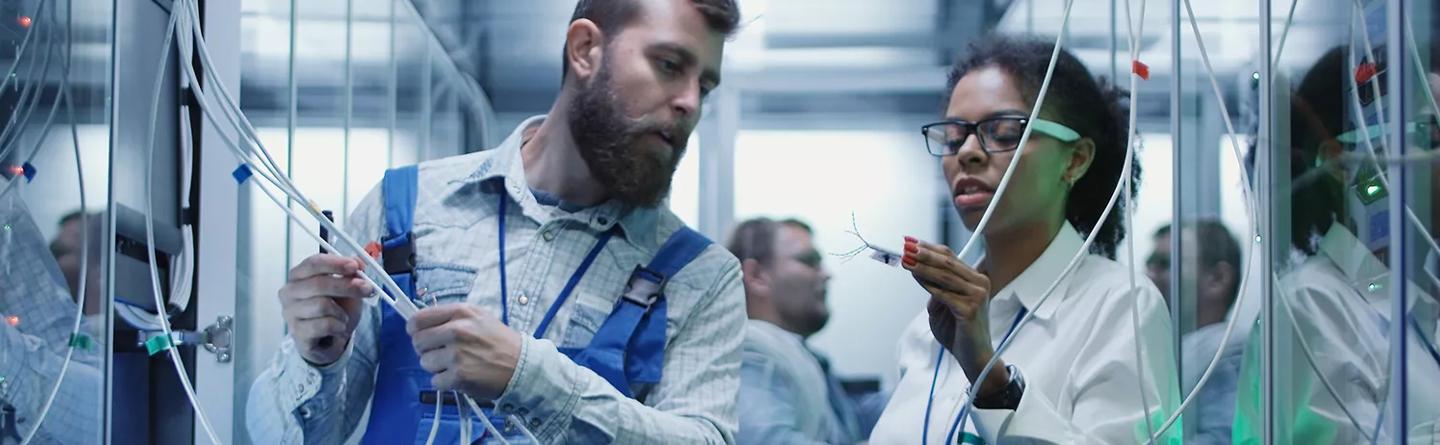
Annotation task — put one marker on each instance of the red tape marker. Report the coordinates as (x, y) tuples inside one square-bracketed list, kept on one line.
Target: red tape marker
[(1140, 69)]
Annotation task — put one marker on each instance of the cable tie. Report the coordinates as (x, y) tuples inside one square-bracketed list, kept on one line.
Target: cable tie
[(242, 173), (158, 344), (1140, 69)]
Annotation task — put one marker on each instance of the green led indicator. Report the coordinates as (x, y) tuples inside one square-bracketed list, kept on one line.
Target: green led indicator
[(1372, 190), (1374, 287)]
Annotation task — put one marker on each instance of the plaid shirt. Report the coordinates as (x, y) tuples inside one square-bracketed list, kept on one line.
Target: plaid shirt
[(32, 352), (561, 402)]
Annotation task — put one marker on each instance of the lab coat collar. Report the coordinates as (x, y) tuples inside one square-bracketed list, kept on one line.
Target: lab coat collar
[(1029, 287), (1365, 273), (637, 224), (1358, 266)]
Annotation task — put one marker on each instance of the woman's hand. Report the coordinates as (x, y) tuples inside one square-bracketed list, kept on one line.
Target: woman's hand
[(959, 307)]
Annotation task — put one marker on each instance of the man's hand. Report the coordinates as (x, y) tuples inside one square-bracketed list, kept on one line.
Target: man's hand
[(466, 348), (323, 299)]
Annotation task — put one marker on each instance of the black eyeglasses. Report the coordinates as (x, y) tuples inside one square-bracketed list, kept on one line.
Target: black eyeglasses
[(997, 134)]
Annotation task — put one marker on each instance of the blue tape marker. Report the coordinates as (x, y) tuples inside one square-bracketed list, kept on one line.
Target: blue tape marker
[(242, 173), (29, 171)]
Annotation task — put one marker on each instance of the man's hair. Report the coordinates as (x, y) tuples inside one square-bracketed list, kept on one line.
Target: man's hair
[(723, 16), (754, 239), (1214, 244), (797, 223)]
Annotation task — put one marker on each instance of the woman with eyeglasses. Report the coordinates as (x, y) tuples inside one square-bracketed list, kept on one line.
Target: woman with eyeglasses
[(1072, 374)]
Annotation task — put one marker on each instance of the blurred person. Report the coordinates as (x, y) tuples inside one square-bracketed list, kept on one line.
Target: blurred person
[(556, 284), (1070, 376), (787, 390), (37, 313), (1213, 250)]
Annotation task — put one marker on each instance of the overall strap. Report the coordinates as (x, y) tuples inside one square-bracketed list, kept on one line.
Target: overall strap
[(629, 347)]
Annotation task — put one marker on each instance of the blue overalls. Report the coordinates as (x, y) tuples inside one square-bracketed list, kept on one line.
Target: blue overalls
[(628, 349)]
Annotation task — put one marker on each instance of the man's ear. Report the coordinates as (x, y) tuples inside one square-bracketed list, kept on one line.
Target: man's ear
[(584, 48), (754, 276)]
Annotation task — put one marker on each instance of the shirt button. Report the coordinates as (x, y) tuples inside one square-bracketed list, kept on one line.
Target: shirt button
[(304, 413), (603, 221), (524, 300), (534, 422), (549, 235), (508, 407)]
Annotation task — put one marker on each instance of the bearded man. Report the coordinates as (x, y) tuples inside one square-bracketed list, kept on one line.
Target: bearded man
[(557, 290)]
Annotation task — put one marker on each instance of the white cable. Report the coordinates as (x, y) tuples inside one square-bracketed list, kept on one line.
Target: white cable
[(402, 305), (485, 421), (435, 422), (1249, 191), (30, 96), (84, 239), (1285, 32), (1136, 34), (45, 129), (1024, 137), (171, 30)]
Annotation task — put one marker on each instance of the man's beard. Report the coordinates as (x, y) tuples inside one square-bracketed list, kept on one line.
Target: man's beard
[(609, 143)]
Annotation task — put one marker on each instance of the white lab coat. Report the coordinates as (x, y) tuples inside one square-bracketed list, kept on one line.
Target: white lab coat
[(1078, 357), (1339, 306)]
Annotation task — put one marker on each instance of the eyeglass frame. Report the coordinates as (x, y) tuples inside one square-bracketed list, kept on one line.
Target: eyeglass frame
[(1050, 128)]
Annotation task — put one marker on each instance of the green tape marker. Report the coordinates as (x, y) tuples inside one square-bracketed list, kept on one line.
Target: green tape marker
[(971, 438), (158, 344), (80, 341)]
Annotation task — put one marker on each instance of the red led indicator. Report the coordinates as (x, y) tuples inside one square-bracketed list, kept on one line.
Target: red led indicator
[(24, 21)]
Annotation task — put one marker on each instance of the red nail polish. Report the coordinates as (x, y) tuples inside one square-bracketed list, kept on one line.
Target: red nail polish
[(911, 249), (909, 261), (910, 240)]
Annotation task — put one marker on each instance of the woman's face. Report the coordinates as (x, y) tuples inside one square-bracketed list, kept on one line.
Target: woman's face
[(1038, 190)]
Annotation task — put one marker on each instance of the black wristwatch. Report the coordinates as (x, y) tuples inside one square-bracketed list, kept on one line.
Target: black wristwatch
[(1008, 398)]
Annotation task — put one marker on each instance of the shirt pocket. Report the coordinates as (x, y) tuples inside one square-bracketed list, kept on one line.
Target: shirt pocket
[(584, 322), (443, 282)]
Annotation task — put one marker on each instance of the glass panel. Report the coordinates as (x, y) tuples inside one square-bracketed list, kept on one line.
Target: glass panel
[(52, 219), (390, 98), (1421, 138), (1333, 227)]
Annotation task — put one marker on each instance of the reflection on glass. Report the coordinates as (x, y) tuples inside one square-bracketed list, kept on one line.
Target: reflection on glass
[(52, 325), (1421, 89), (1335, 300)]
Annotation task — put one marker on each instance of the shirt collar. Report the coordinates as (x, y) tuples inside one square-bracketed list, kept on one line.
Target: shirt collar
[(637, 224), (1030, 286), (1360, 268), (1364, 272)]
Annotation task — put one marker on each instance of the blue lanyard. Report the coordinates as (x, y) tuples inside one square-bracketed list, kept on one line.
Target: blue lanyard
[(939, 359), (569, 286)]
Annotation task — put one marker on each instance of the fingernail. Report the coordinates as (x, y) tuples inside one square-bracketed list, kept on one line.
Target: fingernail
[(911, 249), (911, 240), (908, 261)]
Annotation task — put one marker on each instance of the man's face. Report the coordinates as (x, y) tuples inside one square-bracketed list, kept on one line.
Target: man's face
[(798, 282), (1157, 267), (633, 116)]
